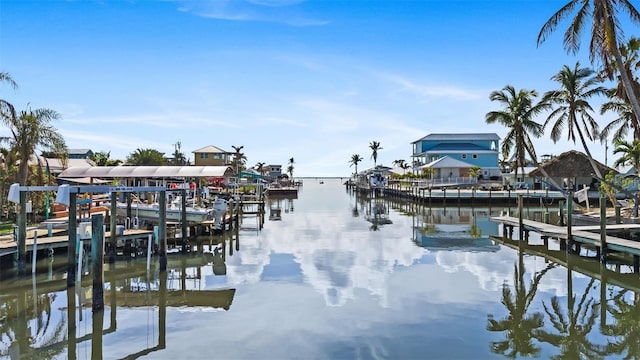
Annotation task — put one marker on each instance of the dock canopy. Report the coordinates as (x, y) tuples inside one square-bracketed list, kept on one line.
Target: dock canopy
[(147, 172)]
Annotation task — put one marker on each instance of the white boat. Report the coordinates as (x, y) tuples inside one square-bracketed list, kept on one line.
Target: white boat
[(173, 212)]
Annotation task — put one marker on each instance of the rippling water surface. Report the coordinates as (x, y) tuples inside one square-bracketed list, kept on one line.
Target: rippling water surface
[(336, 277)]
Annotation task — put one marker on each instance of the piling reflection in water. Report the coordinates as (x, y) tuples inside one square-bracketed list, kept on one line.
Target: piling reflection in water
[(44, 319)]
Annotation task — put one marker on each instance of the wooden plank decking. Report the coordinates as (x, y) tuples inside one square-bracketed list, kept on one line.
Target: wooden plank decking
[(8, 246), (578, 234)]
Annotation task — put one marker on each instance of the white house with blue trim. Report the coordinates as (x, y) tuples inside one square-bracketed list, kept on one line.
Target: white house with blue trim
[(469, 150)]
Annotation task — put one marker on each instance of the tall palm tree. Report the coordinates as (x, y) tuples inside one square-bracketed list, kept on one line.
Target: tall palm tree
[(375, 147), (146, 157), (290, 168), (630, 154), (238, 157), (570, 107), (30, 130), (355, 159), (606, 34), (517, 114), (178, 156), (259, 167)]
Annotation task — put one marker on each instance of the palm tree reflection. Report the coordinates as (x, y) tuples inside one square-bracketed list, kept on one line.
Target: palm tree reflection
[(520, 327), (25, 327), (626, 328), (573, 326)]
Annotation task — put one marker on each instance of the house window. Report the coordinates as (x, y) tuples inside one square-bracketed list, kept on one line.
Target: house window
[(217, 156), (475, 156), (204, 156), (464, 156)]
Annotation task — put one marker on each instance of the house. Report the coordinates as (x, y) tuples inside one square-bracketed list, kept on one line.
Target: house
[(80, 153), (468, 150), (212, 156), (274, 171), (571, 171), (523, 180)]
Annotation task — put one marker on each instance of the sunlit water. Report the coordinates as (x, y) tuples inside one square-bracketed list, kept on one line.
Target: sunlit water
[(336, 277)]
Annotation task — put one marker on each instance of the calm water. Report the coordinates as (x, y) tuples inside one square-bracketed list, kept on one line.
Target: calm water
[(336, 277)]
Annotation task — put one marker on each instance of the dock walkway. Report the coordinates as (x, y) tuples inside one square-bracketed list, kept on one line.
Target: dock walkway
[(580, 234), (9, 246)]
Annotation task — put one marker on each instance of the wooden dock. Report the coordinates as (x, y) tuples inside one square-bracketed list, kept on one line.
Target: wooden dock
[(9, 246), (578, 234)]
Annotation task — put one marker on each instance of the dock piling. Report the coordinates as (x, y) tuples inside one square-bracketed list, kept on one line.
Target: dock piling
[(603, 229), (97, 261)]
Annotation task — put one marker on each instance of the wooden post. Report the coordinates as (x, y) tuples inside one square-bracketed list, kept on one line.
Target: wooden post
[(71, 242), (520, 219), (603, 229), (569, 220), (162, 231), (22, 234), (561, 213), (97, 262), (183, 217), (618, 217), (113, 236)]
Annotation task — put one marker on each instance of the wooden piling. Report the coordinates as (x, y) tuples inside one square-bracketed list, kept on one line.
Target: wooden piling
[(97, 261), (162, 231), (603, 229), (71, 242), (22, 234), (113, 237)]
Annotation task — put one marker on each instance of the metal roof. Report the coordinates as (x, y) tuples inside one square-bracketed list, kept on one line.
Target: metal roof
[(445, 163), (146, 171), (460, 136)]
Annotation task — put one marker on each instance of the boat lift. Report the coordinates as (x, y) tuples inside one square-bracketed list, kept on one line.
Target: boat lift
[(67, 195)]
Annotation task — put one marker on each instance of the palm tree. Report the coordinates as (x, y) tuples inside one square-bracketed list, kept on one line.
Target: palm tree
[(404, 166), (605, 35), (355, 159), (6, 109), (102, 158), (572, 109), (259, 167), (31, 129), (178, 156), (290, 172), (517, 115), (238, 158), (146, 157), (619, 102), (290, 168), (621, 125), (375, 146), (474, 172), (630, 154)]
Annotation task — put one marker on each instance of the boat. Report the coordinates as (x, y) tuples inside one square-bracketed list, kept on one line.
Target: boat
[(276, 189), (194, 214), (321, 181)]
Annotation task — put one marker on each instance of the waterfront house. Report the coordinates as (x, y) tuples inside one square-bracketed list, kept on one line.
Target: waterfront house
[(467, 149), (274, 171), (212, 156), (80, 153), (523, 181), (571, 170)]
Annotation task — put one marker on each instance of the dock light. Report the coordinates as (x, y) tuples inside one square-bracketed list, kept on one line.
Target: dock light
[(14, 193), (62, 197)]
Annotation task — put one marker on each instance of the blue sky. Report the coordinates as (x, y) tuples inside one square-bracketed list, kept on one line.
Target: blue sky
[(315, 80)]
